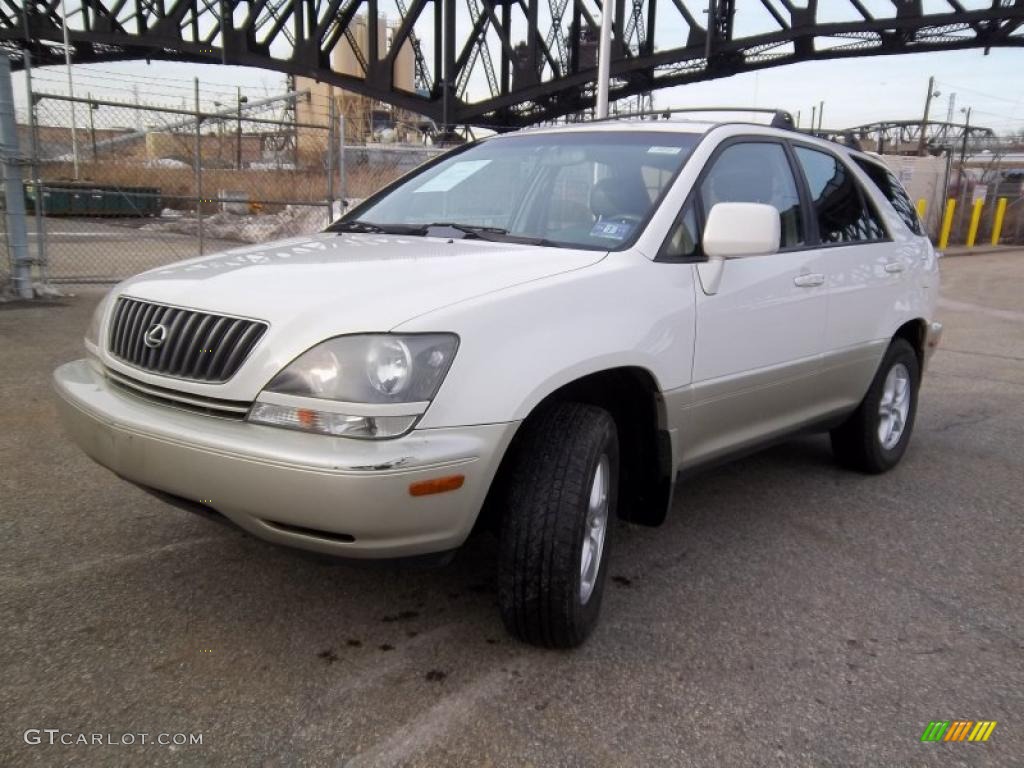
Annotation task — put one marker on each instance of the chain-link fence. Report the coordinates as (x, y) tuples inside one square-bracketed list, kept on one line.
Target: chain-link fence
[(116, 187)]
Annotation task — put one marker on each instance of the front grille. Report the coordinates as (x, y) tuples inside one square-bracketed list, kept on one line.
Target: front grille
[(235, 410), (194, 345)]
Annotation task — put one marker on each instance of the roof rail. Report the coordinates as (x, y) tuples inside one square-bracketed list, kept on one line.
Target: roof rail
[(847, 137), (780, 117)]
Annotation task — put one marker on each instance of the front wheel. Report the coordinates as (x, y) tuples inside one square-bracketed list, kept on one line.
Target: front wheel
[(876, 435), (556, 523)]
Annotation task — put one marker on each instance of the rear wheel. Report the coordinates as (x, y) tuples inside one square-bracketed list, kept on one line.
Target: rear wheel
[(556, 524), (876, 435)]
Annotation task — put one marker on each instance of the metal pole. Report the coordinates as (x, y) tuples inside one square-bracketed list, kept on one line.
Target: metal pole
[(71, 84), (238, 133), (14, 188), (198, 163), (342, 178), (33, 134), (604, 65), (922, 142), (945, 180), (92, 129), (821, 114), (963, 153), (330, 153), (814, 112)]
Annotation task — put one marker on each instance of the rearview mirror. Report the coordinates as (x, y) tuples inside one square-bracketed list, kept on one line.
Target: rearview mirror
[(735, 230)]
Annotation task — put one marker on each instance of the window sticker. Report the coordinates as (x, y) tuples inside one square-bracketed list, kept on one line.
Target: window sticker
[(612, 230), (452, 176), (664, 150)]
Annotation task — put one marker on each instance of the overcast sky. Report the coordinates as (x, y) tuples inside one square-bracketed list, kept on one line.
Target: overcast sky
[(855, 91)]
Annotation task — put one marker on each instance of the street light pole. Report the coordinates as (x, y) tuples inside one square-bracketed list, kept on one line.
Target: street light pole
[(238, 130), (71, 84), (604, 52)]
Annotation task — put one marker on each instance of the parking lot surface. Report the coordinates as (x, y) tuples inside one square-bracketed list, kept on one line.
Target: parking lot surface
[(788, 613)]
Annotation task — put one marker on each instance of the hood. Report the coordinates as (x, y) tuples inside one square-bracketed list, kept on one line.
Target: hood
[(312, 288), (355, 282)]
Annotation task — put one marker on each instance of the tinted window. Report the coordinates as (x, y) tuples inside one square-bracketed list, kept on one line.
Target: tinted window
[(757, 172), (890, 186), (842, 214)]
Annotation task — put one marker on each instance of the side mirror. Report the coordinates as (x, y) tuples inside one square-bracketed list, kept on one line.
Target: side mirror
[(735, 230)]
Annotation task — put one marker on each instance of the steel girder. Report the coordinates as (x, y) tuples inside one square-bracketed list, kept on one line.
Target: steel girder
[(536, 69)]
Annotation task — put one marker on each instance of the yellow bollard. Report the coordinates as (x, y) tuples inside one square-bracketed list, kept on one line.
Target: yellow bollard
[(947, 223), (922, 208), (972, 233), (997, 225)]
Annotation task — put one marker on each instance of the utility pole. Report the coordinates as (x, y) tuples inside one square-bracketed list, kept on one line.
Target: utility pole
[(821, 114), (814, 112), (604, 52), (922, 142)]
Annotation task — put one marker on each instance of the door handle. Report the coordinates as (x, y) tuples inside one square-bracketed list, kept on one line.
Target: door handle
[(809, 280), (894, 267)]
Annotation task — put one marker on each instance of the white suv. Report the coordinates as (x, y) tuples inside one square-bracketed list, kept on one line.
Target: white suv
[(535, 332)]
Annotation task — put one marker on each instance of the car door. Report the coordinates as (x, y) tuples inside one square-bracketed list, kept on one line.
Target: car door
[(865, 274), (760, 335)]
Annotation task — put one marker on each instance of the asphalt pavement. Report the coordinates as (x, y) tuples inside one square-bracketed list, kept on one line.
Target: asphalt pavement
[(788, 613)]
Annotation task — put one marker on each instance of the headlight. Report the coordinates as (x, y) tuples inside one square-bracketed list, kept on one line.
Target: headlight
[(92, 333), (369, 386)]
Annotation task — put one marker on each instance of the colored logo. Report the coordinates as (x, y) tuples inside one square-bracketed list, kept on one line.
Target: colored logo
[(958, 730)]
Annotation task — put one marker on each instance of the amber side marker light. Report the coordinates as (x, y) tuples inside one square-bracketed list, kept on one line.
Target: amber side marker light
[(437, 485)]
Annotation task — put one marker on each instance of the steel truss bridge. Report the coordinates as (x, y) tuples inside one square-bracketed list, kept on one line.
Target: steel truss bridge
[(905, 135), (528, 60)]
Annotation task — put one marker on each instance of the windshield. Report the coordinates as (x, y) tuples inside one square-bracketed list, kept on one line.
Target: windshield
[(587, 189)]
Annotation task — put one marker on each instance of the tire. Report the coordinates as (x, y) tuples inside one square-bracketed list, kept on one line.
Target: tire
[(866, 441), (542, 593)]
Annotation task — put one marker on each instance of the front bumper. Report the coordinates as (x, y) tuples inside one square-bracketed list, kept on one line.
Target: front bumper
[(328, 494)]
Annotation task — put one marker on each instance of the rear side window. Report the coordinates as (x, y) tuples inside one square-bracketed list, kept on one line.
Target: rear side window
[(894, 192), (842, 212)]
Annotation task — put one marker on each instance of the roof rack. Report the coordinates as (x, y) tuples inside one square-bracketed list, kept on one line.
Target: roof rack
[(780, 117)]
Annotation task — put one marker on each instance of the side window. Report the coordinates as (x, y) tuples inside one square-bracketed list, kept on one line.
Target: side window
[(757, 172), (683, 239), (898, 198), (843, 214)]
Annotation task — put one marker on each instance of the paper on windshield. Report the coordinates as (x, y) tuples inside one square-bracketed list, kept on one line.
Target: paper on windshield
[(450, 177)]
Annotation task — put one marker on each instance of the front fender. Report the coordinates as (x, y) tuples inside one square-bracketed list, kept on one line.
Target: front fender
[(520, 344)]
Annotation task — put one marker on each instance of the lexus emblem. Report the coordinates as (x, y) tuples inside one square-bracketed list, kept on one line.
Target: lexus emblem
[(155, 336)]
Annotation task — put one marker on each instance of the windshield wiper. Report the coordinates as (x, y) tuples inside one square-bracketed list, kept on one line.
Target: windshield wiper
[(368, 227), (469, 230), (494, 234), (490, 234)]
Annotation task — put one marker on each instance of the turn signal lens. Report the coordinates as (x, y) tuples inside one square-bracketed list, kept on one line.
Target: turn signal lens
[(326, 423), (437, 485)]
